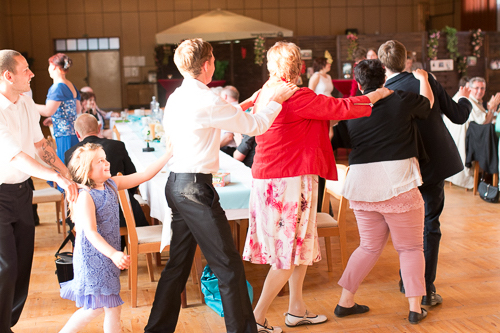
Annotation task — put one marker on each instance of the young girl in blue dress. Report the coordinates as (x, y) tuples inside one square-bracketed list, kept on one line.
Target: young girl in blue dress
[(97, 259)]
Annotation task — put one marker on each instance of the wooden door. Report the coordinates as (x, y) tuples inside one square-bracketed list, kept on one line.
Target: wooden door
[(101, 71)]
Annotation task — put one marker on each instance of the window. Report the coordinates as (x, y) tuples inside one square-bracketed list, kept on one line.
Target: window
[(87, 44)]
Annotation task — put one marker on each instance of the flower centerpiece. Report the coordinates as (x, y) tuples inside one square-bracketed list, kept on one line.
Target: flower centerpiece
[(259, 50), (477, 41), (432, 45), (352, 39)]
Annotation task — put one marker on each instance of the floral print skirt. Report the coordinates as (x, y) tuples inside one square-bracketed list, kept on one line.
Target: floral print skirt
[(282, 228)]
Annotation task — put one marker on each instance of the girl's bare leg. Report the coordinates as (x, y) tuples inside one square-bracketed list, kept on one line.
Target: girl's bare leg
[(80, 319)]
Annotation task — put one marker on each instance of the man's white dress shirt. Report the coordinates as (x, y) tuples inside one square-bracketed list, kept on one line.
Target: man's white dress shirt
[(194, 117), (19, 131)]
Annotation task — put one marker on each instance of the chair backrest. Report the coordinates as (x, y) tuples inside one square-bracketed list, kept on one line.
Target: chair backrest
[(129, 216), (334, 188), (117, 133)]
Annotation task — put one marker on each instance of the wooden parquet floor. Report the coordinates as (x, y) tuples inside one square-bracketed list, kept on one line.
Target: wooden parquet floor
[(468, 279)]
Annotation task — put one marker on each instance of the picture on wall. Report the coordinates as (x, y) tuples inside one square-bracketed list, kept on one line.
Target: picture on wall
[(471, 61), (441, 65), (306, 54), (495, 64), (347, 70)]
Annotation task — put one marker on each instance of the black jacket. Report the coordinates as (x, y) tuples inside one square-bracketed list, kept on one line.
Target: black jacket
[(444, 159), (481, 145), (116, 154), (390, 133)]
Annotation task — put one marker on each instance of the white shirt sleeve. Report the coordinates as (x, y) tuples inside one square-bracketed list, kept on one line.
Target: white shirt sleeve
[(228, 117)]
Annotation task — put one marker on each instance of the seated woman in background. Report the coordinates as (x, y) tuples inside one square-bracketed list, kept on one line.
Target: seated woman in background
[(382, 187), (89, 106), (288, 159), (62, 104), (480, 115)]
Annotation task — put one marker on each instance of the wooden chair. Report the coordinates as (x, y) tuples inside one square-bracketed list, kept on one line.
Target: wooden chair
[(52, 194), (327, 225), (147, 240), (117, 133)]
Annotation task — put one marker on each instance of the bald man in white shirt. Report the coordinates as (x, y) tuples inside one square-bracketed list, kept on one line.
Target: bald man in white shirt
[(194, 117), (20, 139)]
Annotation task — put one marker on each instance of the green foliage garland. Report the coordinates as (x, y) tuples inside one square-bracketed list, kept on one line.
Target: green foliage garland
[(451, 42)]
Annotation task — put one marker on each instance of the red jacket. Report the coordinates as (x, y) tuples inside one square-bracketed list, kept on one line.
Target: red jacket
[(297, 143)]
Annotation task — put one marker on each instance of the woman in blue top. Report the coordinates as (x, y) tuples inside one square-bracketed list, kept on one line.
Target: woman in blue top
[(62, 104)]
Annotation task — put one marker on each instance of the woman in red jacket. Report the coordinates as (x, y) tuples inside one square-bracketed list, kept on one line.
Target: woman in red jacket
[(288, 160)]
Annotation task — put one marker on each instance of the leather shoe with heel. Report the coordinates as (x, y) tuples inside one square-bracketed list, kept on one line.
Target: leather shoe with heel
[(401, 286), (432, 299)]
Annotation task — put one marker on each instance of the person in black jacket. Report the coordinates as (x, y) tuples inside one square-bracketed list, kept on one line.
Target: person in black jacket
[(444, 159), (382, 187), (87, 130)]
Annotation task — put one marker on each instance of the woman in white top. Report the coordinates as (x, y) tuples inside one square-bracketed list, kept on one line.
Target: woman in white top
[(320, 81)]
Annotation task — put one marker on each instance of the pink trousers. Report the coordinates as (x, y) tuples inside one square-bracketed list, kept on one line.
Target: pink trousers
[(407, 237)]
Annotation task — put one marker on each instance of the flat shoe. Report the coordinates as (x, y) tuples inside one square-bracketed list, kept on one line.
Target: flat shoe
[(292, 321), (268, 329), (415, 317), (340, 311)]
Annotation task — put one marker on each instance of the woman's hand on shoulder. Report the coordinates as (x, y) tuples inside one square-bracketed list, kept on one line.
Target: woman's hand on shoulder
[(283, 91), (384, 92), (420, 74), (121, 260)]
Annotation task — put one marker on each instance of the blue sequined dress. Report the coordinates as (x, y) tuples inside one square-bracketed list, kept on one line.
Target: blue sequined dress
[(96, 281)]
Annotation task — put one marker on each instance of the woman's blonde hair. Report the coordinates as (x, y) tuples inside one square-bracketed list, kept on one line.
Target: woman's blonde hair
[(80, 164), (283, 61)]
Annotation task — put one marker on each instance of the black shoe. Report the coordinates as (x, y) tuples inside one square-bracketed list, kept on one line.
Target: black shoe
[(340, 311), (415, 317), (432, 299), (401, 286)]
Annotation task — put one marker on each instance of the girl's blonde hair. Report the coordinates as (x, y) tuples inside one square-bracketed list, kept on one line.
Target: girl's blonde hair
[(80, 164), (283, 61)]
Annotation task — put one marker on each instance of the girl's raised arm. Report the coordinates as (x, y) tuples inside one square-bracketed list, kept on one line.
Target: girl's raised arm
[(133, 180), (85, 219)]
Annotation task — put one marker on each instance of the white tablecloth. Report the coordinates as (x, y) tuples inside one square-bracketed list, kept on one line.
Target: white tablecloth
[(153, 191)]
